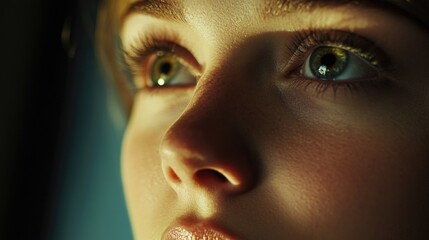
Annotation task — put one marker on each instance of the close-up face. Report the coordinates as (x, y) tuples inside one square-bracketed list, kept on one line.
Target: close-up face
[(265, 119)]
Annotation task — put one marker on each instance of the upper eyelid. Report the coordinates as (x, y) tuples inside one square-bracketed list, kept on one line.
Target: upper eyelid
[(352, 42), (306, 40), (136, 54), (144, 42)]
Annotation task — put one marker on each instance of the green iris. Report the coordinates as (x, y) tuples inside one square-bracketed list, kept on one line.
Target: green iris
[(164, 69), (327, 63)]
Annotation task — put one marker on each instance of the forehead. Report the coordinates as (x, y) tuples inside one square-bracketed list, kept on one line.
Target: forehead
[(177, 9)]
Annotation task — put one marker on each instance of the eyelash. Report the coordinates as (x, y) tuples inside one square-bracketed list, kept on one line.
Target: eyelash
[(301, 47), (306, 41), (146, 45)]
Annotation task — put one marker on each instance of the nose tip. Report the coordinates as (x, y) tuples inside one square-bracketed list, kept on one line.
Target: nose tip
[(193, 161)]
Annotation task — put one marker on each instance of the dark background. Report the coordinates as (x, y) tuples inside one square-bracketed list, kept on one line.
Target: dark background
[(59, 144)]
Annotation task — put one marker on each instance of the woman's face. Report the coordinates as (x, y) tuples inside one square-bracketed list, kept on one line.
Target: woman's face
[(259, 119)]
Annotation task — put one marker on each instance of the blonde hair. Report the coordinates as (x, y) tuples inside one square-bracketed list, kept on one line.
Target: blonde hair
[(108, 48)]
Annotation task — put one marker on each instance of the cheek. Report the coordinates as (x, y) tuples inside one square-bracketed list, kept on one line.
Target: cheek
[(141, 169), (339, 171), (147, 192), (143, 183), (355, 181), (151, 117)]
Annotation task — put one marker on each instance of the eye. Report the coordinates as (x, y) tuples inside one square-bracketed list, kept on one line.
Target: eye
[(334, 63), (166, 69)]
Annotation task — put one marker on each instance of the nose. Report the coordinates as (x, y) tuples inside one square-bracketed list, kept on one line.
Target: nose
[(205, 148)]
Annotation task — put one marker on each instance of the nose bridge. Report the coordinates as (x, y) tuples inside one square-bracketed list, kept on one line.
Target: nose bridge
[(204, 147), (216, 91), (210, 114)]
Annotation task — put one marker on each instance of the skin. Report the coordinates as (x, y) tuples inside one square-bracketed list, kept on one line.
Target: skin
[(266, 159)]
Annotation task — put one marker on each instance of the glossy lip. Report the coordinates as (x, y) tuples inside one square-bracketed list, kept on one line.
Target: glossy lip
[(196, 230)]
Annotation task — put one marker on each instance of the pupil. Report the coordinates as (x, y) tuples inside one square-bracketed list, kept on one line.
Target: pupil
[(165, 68), (328, 60)]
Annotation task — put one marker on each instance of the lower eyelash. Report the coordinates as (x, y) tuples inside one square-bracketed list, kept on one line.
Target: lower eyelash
[(320, 87)]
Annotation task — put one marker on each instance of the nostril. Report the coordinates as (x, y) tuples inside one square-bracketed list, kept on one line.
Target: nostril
[(209, 176), (173, 176)]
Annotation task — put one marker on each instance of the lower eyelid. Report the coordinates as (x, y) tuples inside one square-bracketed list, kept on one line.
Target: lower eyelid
[(159, 91), (297, 82)]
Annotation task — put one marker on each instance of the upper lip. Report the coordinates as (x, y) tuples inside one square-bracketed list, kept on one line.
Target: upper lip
[(187, 228)]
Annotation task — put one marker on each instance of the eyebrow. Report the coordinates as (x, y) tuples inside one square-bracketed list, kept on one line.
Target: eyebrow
[(173, 9), (415, 9), (164, 9)]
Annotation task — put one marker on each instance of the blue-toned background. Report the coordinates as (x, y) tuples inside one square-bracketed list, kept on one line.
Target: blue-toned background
[(88, 201), (60, 127)]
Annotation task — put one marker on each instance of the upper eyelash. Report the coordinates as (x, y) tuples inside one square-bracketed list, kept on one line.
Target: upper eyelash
[(155, 40), (305, 42), (147, 44)]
